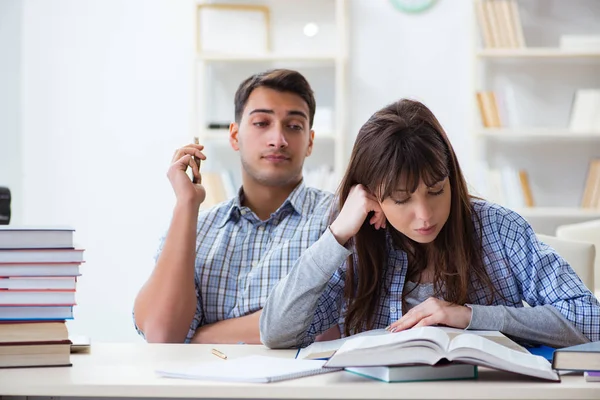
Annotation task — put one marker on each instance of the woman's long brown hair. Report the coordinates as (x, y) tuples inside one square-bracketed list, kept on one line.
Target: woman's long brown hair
[(404, 141)]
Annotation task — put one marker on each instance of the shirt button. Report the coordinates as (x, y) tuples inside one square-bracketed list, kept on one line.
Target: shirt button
[(254, 263), (243, 212), (261, 228), (392, 309)]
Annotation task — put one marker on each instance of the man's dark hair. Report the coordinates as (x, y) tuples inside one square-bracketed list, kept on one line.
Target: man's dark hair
[(282, 80)]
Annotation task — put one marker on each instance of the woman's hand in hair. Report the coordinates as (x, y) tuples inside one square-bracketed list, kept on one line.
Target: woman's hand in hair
[(357, 207), (434, 312)]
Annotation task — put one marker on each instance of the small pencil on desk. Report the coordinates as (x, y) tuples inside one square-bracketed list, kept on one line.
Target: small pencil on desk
[(218, 354)]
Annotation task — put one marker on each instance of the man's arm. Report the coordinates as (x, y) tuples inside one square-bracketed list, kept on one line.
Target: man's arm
[(165, 306), (235, 330)]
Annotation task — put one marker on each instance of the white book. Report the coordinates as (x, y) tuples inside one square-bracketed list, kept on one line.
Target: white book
[(585, 113), (253, 369), (39, 269), (28, 297), (39, 283), (430, 345), (35, 313), (30, 256), (579, 42), (35, 237)]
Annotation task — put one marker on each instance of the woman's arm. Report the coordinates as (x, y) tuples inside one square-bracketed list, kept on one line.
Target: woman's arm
[(546, 279), (307, 301), (540, 325)]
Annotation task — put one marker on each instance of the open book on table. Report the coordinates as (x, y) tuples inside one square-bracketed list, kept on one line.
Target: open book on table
[(429, 345), (324, 350)]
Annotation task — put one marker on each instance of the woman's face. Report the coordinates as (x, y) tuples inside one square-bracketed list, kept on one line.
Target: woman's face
[(420, 215)]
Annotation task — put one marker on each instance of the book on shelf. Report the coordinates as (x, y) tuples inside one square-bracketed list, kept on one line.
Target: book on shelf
[(526, 188), (500, 23), (429, 345), (581, 357), (417, 373), (591, 191), (509, 187), (489, 110), (585, 111), (579, 42), (33, 237), (219, 187)]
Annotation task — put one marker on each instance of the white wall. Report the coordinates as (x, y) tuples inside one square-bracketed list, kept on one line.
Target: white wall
[(10, 102), (107, 95), (107, 99), (425, 56)]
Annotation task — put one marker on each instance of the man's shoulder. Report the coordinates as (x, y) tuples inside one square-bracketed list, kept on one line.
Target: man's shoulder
[(317, 203), (319, 197)]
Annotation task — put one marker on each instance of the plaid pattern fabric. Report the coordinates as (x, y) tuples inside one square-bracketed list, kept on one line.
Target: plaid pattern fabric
[(240, 258), (520, 267)]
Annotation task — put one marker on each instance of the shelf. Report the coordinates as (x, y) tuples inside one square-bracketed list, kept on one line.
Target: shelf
[(554, 134), (265, 58), (537, 52), (565, 212)]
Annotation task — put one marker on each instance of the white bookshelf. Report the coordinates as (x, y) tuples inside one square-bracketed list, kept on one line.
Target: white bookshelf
[(528, 134), (561, 212), (322, 59), (535, 85), (537, 52)]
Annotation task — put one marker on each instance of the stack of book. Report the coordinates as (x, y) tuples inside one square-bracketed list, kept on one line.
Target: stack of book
[(38, 274)]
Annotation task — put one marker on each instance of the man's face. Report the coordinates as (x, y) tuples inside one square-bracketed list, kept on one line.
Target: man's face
[(273, 137)]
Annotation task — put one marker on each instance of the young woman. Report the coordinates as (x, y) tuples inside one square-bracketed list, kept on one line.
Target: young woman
[(410, 247)]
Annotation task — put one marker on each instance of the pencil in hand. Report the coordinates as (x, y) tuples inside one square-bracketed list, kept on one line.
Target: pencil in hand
[(197, 161)]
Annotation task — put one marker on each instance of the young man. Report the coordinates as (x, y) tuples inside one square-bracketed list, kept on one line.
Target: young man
[(216, 268)]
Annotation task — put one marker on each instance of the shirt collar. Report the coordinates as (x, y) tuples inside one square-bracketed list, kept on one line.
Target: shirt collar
[(298, 200)]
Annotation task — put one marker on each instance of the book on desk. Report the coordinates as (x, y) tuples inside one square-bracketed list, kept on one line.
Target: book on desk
[(39, 267), (581, 357), (430, 346), (251, 369)]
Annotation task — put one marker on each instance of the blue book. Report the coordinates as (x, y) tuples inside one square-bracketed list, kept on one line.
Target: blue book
[(582, 357), (545, 351)]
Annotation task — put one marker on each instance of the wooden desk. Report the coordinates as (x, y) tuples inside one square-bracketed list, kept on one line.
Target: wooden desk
[(127, 370)]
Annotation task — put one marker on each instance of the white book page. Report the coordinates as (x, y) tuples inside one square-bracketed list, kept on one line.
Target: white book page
[(330, 346), (426, 336), (482, 351)]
